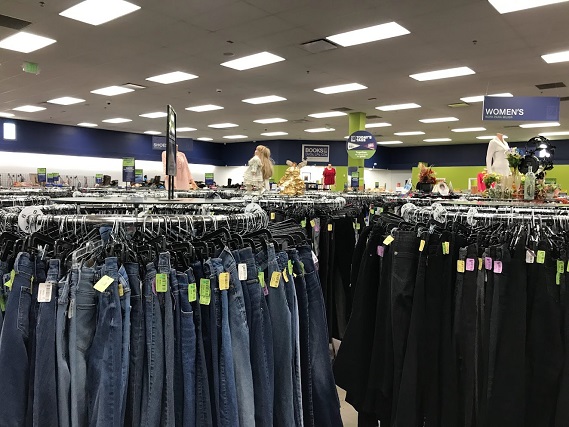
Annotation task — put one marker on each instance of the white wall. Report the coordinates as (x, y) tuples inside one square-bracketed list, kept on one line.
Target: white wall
[(385, 177)]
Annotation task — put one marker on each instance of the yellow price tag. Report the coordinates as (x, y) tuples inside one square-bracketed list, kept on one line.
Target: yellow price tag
[(388, 240), (460, 266), (285, 275), (329, 227), (121, 290), (540, 257), (223, 281), (421, 246), (205, 292), (480, 263), (10, 282), (103, 283), (162, 282), (313, 223), (273, 215), (358, 225), (192, 292), (275, 279)]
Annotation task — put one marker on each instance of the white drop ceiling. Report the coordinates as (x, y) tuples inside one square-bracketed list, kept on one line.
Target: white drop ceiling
[(197, 36)]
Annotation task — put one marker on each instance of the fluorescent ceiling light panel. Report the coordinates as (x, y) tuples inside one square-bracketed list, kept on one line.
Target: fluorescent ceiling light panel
[(539, 125), (269, 121), (327, 114), (253, 61), (185, 129), (112, 90), (443, 74), (66, 100), (235, 136), (173, 77), (97, 12), (264, 99), (489, 136), (437, 140), (396, 107), (349, 87), (418, 132), (552, 58), (369, 34), (117, 120), (6, 115), (154, 115), (315, 130), (389, 142), (87, 125), (377, 125), (480, 98), (507, 6), (10, 131), (152, 132), (29, 108), (439, 120), (204, 138), (25, 42), (274, 133), (479, 129), (560, 133), (203, 108), (223, 125)]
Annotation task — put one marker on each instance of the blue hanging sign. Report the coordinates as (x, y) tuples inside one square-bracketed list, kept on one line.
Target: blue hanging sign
[(128, 169), (521, 108), (361, 145)]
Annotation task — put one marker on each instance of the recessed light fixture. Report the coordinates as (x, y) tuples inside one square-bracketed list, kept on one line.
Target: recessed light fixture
[(377, 125), (97, 12), (253, 61), (87, 125), (479, 129), (417, 132), (25, 42), (173, 77), (152, 132), (264, 99), (315, 130), (480, 98), (327, 114), (396, 107), (439, 120), (154, 115), (223, 125), (9, 131), (507, 6), (117, 120), (349, 87), (389, 142), (204, 138), (29, 108), (369, 34), (269, 121), (443, 74), (552, 58), (539, 125), (235, 136), (6, 115), (203, 108), (112, 90), (274, 133), (185, 129), (560, 133), (490, 136), (66, 100), (437, 140)]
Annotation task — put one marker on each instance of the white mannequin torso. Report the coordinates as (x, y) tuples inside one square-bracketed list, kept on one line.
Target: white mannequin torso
[(496, 161)]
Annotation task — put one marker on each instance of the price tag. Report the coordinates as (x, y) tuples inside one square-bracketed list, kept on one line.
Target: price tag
[(285, 276), (242, 270), (329, 227), (261, 276), (162, 282), (121, 290), (446, 248), (275, 279), (480, 263), (381, 250), (44, 292), (103, 283), (223, 281), (540, 257), (372, 211), (273, 215), (421, 246), (313, 223), (358, 225), (558, 278), (460, 266), (192, 292), (2, 303), (469, 264), (560, 266), (303, 223), (289, 265), (488, 263), (530, 257), (388, 240), (10, 282), (205, 292), (497, 267)]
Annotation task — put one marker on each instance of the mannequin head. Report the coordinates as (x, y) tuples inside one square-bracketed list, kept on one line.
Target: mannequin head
[(267, 165), (500, 137)]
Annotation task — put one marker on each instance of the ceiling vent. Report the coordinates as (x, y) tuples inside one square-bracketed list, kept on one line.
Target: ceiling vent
[(342, 109), (373, 116), (459, 105), (565, 98), (550, 85), (13, 23), (133, 86), (318, 46), (300, 121), (511, 127)]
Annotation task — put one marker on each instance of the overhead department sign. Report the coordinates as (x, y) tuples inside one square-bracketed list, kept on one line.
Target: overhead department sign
[(316, 153), (361, 145), (521, 108)]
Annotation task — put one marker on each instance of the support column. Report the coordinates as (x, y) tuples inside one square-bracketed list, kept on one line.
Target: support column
[(356, 122)]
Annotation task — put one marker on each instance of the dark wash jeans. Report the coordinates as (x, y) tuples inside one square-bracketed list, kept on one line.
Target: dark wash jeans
[(188, 348)]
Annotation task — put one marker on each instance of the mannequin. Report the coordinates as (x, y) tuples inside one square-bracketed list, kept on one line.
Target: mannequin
[(259, 170), (183, 179), (291, 183), (496, 161), (329, 176)]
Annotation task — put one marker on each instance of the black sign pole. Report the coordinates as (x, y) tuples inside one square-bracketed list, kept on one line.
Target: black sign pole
[(171, 151)]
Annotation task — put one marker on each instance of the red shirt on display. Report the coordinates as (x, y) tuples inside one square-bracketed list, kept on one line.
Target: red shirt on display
[(329, 176)]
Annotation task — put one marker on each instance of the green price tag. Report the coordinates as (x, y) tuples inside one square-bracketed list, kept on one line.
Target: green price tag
[(558, 278), (289, 267), (560, 266), (261, 276), (192, 292), (10, 282), (303, 223), (540, 257), (358, 225), (162, 282), (205, 292), (2, 303)]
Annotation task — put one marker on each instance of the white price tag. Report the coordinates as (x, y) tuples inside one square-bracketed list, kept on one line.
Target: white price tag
[(44, 292), (530, 257), (242, 269)]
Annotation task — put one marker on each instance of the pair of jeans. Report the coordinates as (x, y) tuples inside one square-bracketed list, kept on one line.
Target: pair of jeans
[(16, 345), (240, 344), (178, 375), (45, 410), (326, 405), (124, 297), (168, 417), (261, 341), (187, 339), (104, 365), (62, 353), (137, 341)]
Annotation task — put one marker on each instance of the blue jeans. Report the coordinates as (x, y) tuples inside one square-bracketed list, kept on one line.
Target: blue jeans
[(187, 339), (137, 340), (62, 354), (15, 345), (261, 342), (168, 404), (282, 343), (178, 373), (125, 312), (104, 365), (240, 345), (45, 389), (326, 405)]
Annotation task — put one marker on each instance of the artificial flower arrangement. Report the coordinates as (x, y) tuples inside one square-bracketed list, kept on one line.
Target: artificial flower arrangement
[(426, 174), (514, 158), (491, 178)]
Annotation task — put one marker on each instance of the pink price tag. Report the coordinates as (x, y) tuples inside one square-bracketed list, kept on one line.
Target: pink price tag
[(488, 263), (266, 290), (497, 267), (380, 250), (470, 264)]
